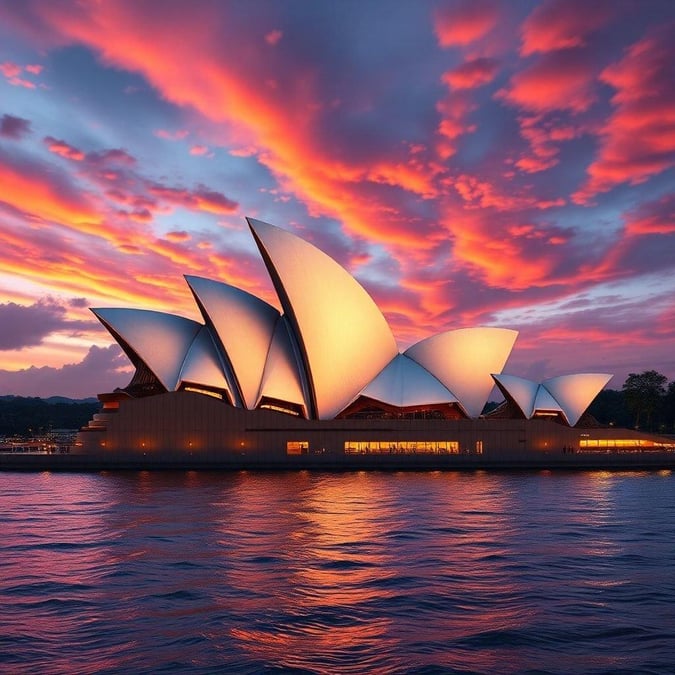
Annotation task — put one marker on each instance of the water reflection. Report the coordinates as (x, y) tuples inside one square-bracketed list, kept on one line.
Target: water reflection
[(353, 572)]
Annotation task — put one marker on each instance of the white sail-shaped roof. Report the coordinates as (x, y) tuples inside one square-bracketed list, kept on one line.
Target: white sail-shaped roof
[(158, 339), (281, 379), (545, 403), (202, 365), (404, 383), (342, 336), (244, 324), (464, 360), (575, 392), (522, 391)]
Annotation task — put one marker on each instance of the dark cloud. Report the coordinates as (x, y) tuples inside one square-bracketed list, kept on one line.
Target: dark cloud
[(102, 369), (201, 199), (112, 156), (14, 127), (28, 325)]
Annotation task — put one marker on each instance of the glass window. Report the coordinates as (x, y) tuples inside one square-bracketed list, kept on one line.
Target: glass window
[(297, 447)]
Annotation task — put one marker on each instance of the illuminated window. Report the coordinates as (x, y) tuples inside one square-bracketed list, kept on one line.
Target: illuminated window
[(278, 408), (401, 447), (479, 447), (620, 444), (297, 447), (206, 392)]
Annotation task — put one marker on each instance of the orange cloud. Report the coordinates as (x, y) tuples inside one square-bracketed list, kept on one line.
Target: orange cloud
[(28, 187), (472, 74), (562, 24), (178, 236), (415, 178), (462, 24), (503, 261), (286, 137), (638, 139), (483, 194)]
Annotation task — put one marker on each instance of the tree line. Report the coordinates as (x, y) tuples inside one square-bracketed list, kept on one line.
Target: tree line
[(646, 401), (27, 416)]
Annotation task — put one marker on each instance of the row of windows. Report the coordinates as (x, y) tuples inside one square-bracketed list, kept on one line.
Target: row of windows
[(617, 443), (388, 447), (402, 447)]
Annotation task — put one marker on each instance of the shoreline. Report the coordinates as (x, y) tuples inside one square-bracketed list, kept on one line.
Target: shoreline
[(83, 463)]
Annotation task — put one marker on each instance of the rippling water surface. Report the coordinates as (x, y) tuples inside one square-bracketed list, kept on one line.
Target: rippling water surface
[(337, 573)]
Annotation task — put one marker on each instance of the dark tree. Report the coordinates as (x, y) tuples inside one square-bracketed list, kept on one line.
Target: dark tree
[(609, 407), (643, 393), (668, 408), (31, 416)]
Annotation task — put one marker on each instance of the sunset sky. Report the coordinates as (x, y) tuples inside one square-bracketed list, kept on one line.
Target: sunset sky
[(471, 163)]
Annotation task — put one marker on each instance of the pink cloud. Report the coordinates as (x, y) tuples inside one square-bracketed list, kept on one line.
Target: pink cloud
[(471, 74), (558, 81), (198, 150), (462, 23), (9, 69), (562, 24), (12, 72), (177, 135), (201, 199), (272, 38), (454, 109), (543, 136), (638, 139), (63, 149), (656, 217)]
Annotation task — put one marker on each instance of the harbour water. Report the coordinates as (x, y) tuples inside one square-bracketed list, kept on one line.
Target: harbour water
[(354, 572)]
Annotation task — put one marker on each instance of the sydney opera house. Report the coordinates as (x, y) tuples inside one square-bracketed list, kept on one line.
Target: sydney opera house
[(323, 383)]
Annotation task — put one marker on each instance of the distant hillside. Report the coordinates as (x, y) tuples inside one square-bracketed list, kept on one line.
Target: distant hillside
[(26, 416), (52, 399)]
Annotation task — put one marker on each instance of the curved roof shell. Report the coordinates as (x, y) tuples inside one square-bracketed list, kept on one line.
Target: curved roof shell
[(544, 402), (464, 360), (158, 339), (575, 392), (202, 365), (341, 334), (404, 383), (281, 379), (244, 325), (523, 392), (569, 395)]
